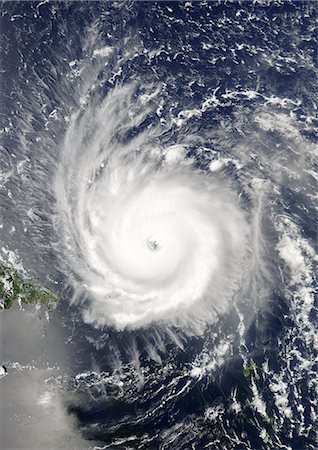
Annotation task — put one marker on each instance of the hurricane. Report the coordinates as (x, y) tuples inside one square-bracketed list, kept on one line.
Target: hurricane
[(148, 236), (158, 180)]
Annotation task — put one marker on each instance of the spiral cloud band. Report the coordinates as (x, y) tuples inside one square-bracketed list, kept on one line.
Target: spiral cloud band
[(148, 237)]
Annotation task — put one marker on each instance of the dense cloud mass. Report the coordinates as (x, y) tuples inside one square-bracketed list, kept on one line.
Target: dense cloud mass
[(149, 236)]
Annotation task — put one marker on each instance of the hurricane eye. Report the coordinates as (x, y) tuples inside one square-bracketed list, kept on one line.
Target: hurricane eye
[(153, 243)]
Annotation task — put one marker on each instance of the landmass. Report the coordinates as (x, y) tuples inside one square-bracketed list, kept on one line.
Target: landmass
[(14, 287)]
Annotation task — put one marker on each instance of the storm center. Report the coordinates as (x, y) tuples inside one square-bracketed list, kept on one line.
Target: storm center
[(153, 243)]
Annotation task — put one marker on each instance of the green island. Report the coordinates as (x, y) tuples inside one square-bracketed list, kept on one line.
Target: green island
[(14, 287), (250, 369)]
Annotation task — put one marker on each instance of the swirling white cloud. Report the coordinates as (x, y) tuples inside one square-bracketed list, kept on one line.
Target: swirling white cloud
[(148, 237)]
